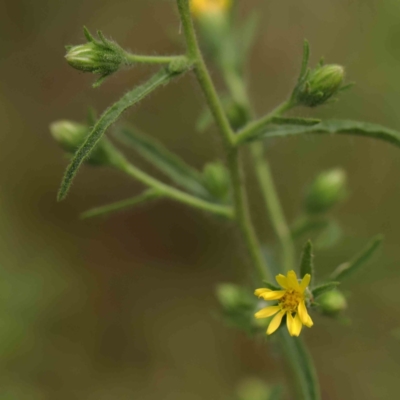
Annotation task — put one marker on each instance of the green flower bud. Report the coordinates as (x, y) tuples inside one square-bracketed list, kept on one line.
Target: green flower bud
[(217, 181), (102, 56), (332, 303), (319, 85), (70, 136), (328, 189)]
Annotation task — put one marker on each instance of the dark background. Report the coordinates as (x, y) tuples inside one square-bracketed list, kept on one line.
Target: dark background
[(122, 307)]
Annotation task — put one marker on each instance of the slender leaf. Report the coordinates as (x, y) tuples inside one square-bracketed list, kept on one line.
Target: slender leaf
[(108, 118), (307, 262), (347, 269), (122, 205), (306, 58), (330, 127), (301, 365), (167, 162), (295, 121), (323, 288)]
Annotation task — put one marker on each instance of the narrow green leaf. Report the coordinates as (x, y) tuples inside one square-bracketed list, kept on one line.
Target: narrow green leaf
[(271, 286), (347, 269), (307, 262), (306, 58), (295, 121), (323, 288), (330, 127), (122, 205), (108, 118), (301, 365), (164, 160)]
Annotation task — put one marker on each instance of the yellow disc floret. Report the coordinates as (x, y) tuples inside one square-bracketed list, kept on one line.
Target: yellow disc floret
[(200, 7), (291, 302)]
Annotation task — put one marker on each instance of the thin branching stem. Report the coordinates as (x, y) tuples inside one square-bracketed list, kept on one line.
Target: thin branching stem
[(242, 213)]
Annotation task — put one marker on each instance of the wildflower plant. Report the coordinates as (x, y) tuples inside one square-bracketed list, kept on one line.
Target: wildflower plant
[(219, 189)]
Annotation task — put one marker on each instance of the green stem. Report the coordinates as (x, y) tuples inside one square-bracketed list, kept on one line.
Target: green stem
[(254, 127), (140, 59), (273, 205), (175, 194), (240, 199)]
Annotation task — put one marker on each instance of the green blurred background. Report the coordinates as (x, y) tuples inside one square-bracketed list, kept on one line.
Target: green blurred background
[(122, 307)]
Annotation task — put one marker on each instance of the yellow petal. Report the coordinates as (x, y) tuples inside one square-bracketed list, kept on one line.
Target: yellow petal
[(292, 281), (289, 323), (302, 312), (259, 292), (297, 325), (282, 281), (309, 323), (273, 294), (267, 312), (276, 321), (305, 282)]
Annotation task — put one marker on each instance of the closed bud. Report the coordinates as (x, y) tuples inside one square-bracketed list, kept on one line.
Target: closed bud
[(71, 135), (332, 303), (328, 189), (102, 56), (319, 85), (216, 180)]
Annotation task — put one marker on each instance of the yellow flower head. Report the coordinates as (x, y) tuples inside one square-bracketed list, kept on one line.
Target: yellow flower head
[(291, 302), (200, 7)]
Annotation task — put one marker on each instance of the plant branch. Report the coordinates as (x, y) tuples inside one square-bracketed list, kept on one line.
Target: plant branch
[(242, 213), (168, 191)]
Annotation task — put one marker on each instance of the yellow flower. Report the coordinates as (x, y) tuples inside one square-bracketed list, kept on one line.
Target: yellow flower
[(200, 7), (291, 302)]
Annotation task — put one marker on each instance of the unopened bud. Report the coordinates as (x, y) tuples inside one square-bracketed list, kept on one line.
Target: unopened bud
[(217, 181), (102, 56), (320, 85), (71, 135), (328, 189), (332, 303)]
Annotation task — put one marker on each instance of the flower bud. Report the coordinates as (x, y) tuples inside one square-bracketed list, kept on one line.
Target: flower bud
[(332, 303), (102, 56), (319, 85), (328, 189), (216, 180), (70, 136)]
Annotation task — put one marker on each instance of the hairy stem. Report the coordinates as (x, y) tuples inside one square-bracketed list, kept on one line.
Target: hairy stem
[(175, 194), (242, 213)]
